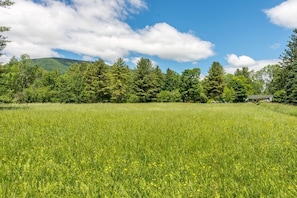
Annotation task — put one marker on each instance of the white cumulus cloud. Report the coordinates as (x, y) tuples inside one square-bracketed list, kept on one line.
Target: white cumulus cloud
[(237, 62), (95, 28), (284, 14)]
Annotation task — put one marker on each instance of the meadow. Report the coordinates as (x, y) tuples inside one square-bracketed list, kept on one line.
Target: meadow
[(148, 150)]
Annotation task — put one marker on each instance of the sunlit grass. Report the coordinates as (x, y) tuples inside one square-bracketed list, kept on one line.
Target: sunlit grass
[(281, 108), (146, 150)]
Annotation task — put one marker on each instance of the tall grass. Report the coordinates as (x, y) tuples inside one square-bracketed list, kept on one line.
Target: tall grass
[(147, 150), (281, 108)]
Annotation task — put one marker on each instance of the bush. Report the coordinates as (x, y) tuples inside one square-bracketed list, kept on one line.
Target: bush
[(133, 98), (5, 99), (279, 96), (203, 98), (169, 96)]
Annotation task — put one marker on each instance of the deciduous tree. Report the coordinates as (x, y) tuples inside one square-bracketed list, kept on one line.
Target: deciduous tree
[(191, 89), (3, 39)]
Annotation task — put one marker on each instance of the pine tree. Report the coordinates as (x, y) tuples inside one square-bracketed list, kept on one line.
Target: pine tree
[(145, 81), (289, 56), (119, 81), (214, 82), (97, 82), (291, 85), (289, 70), (171, 81)]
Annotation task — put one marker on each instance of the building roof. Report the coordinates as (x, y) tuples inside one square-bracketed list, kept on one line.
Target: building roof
[(259, 97)]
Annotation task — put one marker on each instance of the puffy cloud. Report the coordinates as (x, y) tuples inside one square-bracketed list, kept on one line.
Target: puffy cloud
[(237, 62), (284, 14), (94, 28), (166, 42)]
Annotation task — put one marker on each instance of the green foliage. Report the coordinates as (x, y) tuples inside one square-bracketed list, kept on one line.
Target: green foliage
[(133, 98), (16, 76), (97, 82), (92, 82), (158, 82), (229, 94), (286, 78), (244, 71), (191, 88), (280, 96), (171, 80), (237, 88), (5, 97), (291, 85), (119, 80), (60, 64), (146, 82), (169, 96), (252, 83), (214, 82), (6, 3), (147, 150), (3, 39), (289, 57)]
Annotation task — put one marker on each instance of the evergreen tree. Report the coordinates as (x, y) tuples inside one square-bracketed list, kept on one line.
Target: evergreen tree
[(97, 82), (214, 82), (289, 57), (244, 71), (287, 78), (119, 81), (157, 83), (144, 82), (171, 81), (72, 84), (291, 84)]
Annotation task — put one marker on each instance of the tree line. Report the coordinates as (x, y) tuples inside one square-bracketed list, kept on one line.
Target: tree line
[(92, 82)]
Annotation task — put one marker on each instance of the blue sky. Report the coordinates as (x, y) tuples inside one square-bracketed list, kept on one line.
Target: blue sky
[(176, 34)]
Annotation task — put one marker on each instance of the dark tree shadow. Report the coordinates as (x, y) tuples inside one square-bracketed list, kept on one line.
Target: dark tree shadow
[(9, 108)]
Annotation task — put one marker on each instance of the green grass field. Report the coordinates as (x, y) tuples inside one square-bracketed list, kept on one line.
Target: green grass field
[(147, 150)]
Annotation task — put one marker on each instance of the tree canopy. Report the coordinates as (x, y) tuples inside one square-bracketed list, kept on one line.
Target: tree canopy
[(3, 39)]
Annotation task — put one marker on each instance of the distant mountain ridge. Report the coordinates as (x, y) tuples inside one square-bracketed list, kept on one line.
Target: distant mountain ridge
[(61, 64)]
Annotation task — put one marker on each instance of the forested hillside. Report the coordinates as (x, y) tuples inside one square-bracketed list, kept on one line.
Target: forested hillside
[(23, 80), (60, 64)]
